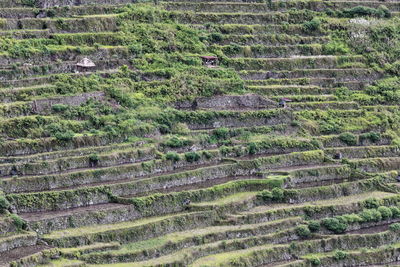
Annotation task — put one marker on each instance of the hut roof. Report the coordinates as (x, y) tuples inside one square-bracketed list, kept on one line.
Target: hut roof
[(85, 62), (208, 57)]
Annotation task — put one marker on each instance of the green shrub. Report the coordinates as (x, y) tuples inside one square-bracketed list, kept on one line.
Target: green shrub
[(176, 142), (278, 194), (334, 225), (395, 212), (359, 11), (312, 25), (371, 203), (192, 156), (94, 158), (395, 227), (252, 148), (385, 212), (340, 255), (336, 48), (303, 231), (4, 204), (348, 138), (59, 107), (64, 136), (265, 195), (173, 156), (207, 154), (18, 221), (372, 136), (314, 226), (221, 133), (371, 215), (315, 261)]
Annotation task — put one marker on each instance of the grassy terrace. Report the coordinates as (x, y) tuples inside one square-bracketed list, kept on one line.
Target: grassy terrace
[(286, 153)]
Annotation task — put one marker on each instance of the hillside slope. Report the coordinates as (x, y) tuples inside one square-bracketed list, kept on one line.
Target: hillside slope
[(199, 133)]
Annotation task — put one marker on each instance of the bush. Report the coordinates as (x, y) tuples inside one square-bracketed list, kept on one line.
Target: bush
[(64, 136), (371, 215), (340, 255), (252, 147), (395, 212), (265, 195), (312, 25), (336, 48), (385, 212), (59, 107), (314, 226), (18, 222), (334, 225), (348, 138), (303, 231), (192, 157), (173, 156), (278, 194), (94, 158), (4, 204), (395, 227), (315, 261), (207, 155), (371, 203), (221, 133), (176, 142), (372, 136), (358, 11)]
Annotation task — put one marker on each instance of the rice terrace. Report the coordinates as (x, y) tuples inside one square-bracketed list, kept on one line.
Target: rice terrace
[(200, 133)]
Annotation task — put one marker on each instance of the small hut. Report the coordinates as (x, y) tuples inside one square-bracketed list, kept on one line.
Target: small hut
[(283, 102), (84, 65), (210, 61)]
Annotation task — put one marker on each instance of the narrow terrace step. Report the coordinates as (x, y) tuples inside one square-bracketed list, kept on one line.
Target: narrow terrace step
[(241, 29), (242, 200), (323, 82), (326, 208), (262, 51), (290, 64), (365, 151), (76, 163), (323, 105), (25, 34), (126, 232), (45, 222), (282, 40), (255, 7), (16, 240), (306, 98), (27, 12), (68, 153), (45, 79), (341, 75), (20, 256), (57, 68), (67, 54), (61, 25), (134, 251), (58, 3), (241, 18), (278, 90)]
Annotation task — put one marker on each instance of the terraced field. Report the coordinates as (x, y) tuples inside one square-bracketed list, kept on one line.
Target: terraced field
[(199, 133)]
